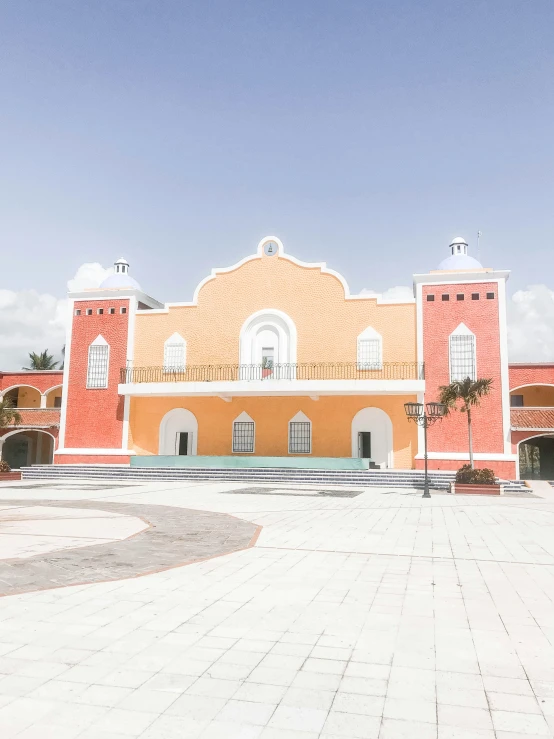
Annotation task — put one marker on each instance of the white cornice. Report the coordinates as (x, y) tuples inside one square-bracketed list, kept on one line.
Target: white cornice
[(444, 278), (112, 294)]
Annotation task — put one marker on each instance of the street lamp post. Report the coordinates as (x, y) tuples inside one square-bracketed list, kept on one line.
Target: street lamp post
[(425, 415)]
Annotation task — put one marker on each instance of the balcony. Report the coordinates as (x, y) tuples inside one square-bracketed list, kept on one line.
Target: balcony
[(532, 419), (38, 418), (310, 378)]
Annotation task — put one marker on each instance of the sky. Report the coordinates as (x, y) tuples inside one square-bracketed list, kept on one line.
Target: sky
[(364, 133)]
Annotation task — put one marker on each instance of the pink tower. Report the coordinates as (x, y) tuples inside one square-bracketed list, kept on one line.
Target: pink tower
[(461, 314)]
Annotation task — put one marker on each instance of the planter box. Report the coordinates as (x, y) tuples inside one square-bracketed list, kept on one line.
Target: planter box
[(460, 488), (4, 476)]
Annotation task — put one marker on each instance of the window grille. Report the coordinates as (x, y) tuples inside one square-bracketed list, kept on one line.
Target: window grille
[(98, 360), (369, 354), (174, 356), (243, 436), (300, 437), (462, 357)]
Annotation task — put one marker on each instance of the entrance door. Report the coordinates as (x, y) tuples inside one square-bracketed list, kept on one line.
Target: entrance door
[(364, 444), (182, 443)]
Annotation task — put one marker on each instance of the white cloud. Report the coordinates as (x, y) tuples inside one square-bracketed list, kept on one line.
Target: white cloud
[(31, 321), (88, 275), (399, 293), (531, 325)]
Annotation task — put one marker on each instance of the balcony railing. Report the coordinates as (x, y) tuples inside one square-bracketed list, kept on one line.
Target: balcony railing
[(255, 372)]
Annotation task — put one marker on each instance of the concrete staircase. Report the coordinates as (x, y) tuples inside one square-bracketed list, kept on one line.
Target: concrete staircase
[(267, 475)]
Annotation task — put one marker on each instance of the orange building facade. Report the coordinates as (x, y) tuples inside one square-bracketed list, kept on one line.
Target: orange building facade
[(274, 357)]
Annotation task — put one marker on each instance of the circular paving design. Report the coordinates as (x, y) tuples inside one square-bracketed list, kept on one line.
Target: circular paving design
[(174, 537)]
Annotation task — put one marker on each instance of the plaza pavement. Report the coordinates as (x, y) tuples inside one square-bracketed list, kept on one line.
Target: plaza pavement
[(380, 616)]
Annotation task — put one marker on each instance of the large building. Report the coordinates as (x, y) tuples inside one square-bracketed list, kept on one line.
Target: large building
[(274, 357)]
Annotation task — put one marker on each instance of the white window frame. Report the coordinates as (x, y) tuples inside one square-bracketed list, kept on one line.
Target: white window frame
[(298, 418), (244, 418), (100, 341), (175, 340), (369, 334), (462, 330)]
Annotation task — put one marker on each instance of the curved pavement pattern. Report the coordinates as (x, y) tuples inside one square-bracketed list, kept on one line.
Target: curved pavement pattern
[(174, 537)]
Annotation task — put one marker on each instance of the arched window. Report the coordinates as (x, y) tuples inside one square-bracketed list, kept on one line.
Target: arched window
[(268, 346), (243, 434), (175, 353), (370, 350), (462, 354), (300, 434), (98, 363)]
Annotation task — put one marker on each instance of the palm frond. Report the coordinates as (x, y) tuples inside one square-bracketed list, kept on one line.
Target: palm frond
[(9, 415)]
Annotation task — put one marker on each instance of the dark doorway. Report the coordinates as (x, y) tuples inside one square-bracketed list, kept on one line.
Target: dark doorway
[(182, 443), (364, 444), (536, 459)]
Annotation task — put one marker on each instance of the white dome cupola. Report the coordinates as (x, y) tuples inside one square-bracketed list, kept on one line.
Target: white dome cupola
[(121, 266), (458, 246), (459, 259), (120, 279)]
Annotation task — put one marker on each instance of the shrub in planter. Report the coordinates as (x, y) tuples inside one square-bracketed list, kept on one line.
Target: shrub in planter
[(468, 476), (4, 466)]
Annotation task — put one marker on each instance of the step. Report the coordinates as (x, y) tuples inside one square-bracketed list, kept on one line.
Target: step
[(381, 478)]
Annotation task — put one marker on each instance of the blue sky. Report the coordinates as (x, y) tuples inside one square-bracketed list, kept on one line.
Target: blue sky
[(363, 133)]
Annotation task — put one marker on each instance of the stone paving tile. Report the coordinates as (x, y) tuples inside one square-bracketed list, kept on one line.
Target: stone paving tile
[(174, 537), (378, 617)]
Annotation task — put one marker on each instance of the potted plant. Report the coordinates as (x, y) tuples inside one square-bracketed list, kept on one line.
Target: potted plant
[(6, 472), (472, 481)]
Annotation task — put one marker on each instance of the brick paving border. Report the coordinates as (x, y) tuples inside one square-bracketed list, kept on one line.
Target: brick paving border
[(174, 537)]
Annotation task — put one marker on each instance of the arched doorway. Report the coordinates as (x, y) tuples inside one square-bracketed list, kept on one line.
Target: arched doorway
[(536, 458), (372, 436), (25, 447), (178, 433)]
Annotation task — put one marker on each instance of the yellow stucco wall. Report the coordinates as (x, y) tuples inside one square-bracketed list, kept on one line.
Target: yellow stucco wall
[(331, 418), (327, 324), (50, 398), (28, 398), (537, 395)]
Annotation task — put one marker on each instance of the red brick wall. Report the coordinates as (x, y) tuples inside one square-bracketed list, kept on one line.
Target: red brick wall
[(440, 319), (42, 381), (91, 459), (504, 470), (531, 374), (95, 415)]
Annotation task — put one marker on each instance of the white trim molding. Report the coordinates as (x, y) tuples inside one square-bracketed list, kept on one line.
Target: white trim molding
[(66, 370), (97, 452), (270, 387)]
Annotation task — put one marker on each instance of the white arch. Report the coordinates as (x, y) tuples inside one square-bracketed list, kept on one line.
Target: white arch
[(274, 321), (22, 431), (50, 389), (177, 420), (532, 384), (379, 424), (14, 387)]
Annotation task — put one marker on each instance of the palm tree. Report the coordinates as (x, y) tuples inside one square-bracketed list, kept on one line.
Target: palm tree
[(469, 392), (42, 361), (9, 416)]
